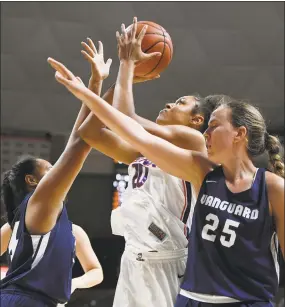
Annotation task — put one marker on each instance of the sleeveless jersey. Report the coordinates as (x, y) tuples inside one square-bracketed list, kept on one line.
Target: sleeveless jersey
[(232, 249), (155, 209), (41, 263)]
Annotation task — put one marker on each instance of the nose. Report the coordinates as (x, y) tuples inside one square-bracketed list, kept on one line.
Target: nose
[(206, 134), (169, 105)]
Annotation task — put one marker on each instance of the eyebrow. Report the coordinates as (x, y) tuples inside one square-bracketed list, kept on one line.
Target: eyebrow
[(181, 100)]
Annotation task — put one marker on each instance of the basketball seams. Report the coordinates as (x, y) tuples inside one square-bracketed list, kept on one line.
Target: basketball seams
[(164, 32), (156, 32), (153, 33), (165, 43), (146, 50), (171, 49), (162, 53)]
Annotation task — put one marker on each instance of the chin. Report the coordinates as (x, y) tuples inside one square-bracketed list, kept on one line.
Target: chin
[(161, 121)]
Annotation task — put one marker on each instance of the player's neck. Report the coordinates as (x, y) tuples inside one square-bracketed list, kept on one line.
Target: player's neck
[(238, 169)]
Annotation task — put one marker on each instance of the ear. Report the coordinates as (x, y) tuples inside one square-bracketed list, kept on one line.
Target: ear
[(31, 180), (241, 134), (197, 120)]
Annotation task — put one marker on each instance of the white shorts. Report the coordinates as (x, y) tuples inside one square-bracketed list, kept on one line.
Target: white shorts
[(150, 278)]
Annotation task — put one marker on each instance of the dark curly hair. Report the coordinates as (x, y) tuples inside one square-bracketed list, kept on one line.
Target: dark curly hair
[(14, 187)]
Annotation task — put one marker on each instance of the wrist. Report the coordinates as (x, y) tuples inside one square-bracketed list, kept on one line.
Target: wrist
[(95, 85), (127, 62), (95, 80)]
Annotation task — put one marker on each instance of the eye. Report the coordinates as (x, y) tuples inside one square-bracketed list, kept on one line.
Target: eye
[(213, 125), (181, 101)]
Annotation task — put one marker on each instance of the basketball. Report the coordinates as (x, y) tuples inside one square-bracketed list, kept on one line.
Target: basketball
[(156, 39)]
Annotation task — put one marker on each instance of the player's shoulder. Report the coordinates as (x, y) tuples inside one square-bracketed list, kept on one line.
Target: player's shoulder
[(6, 228), (81, 237), (188, 135), (273, 181), (78, 232), (181, 129)]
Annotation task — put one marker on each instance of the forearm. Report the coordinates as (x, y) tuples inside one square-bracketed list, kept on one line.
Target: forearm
[(95, 86), (108, 97), (120, 95), (89, 279), (124, 100), (121, 124), (109, 94), (123, 96), (82, 114), (92, 125)]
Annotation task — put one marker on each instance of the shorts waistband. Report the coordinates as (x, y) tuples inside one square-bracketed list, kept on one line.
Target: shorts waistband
[(156, 255), (206, 298), (12, 288)]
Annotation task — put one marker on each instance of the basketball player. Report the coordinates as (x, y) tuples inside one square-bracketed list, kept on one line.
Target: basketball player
[(155, 209), (42, 245), (232, 249), (86, 256)]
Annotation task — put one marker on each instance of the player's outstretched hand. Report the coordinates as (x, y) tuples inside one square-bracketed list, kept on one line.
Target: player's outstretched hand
[(100, 70), (129, 47), (67, 78)]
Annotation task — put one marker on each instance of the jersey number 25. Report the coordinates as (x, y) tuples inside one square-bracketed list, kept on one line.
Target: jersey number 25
[(226, 241)]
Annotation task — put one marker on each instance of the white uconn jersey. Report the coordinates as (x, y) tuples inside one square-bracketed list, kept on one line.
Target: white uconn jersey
[(155, 209)]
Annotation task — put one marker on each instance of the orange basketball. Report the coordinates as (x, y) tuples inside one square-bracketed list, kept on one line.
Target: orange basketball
[(156, 39)]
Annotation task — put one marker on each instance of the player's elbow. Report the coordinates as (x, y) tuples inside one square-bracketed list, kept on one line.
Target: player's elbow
[(82, 133), (100, 276), (90, 139)]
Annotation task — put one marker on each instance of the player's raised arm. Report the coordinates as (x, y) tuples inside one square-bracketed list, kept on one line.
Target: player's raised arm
[(188, 165), (92, 131), (46, 202), (176, 128)]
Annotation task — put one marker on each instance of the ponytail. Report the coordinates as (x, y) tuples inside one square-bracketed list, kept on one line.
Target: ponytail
[(14, 188), (274, 149), (8, 197)]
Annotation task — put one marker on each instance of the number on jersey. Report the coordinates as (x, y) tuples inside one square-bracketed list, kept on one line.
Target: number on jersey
[(213, 225), (140, 175)]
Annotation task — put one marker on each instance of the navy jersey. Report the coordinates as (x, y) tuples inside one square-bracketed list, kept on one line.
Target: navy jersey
[(41, 263), (232, 245)]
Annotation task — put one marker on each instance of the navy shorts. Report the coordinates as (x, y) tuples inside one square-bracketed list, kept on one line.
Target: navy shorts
[(14, 297), (183, 301)]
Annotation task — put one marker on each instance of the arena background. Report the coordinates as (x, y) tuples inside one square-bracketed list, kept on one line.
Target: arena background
[(234, 48)]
